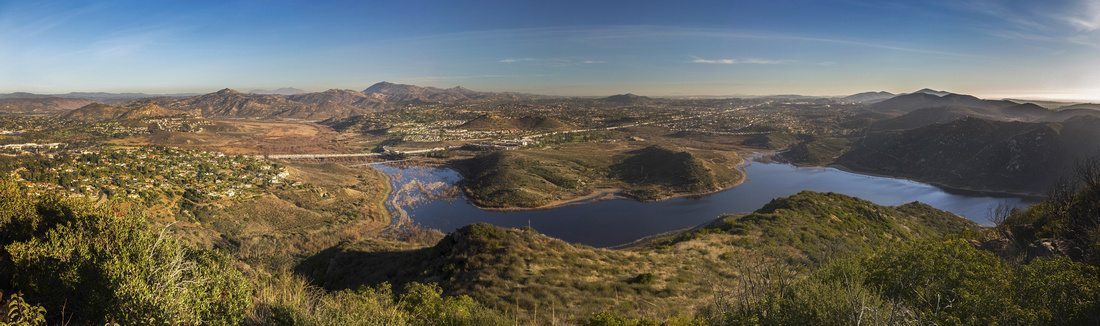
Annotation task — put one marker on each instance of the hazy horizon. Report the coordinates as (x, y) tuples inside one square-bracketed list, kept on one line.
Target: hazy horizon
[(990, 49)]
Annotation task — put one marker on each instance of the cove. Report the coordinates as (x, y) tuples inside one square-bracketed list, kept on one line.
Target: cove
[(618, 221)]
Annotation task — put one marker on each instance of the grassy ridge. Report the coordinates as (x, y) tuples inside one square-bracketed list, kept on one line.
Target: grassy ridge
[(525, 273)]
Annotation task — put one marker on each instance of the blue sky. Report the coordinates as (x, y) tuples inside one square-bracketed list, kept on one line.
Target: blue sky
[(1035, 49)]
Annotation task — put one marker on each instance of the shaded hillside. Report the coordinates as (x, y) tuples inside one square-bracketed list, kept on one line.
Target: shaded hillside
[(815, 151), (1026, 112), (493, 122), (40, 105), (927, 116), (868, 97), (506, 268), (919, 100), (978, 153)]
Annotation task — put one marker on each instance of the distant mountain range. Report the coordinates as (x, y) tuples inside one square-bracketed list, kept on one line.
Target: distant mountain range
[(40, 105), (333, 103), (108, 98), (923, 108), (295, 103)]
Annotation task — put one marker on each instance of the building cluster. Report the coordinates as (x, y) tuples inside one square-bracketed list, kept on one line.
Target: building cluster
[(147, 173)]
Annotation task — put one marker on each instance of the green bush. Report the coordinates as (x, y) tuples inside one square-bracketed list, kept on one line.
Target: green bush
[(949, 282), (1057, 291), (21, 313), (103, 263)]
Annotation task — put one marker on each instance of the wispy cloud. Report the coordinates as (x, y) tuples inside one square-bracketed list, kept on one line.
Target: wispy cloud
[(1086, 17), (514, 60), (592, 61), (1074, 21), (739, 61)]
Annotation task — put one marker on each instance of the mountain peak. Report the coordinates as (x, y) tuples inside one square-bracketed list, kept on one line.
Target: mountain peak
[(383, 86), (227, 91)]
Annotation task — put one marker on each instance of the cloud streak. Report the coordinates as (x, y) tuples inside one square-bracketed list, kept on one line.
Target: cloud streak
[(514, 60), (739, 61)]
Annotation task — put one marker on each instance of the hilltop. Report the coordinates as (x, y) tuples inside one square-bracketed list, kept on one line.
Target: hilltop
[(531, 179)]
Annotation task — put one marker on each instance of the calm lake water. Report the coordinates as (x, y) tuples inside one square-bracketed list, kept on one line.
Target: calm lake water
[(618, 221)]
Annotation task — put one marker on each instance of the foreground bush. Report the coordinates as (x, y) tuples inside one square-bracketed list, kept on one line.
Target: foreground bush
[(290, 300), (101, 264), (941, 282)]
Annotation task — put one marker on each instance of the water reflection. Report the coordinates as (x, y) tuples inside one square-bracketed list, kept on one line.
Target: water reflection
[(618, 221)]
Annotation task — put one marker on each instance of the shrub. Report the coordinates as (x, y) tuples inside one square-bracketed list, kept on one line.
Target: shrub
[(947, 282), (106, 264)]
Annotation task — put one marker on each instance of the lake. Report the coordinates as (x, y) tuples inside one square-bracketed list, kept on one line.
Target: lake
[(617, 221)]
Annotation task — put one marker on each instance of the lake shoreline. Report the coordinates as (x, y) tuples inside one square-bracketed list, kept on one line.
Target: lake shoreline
[(946, 187)]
